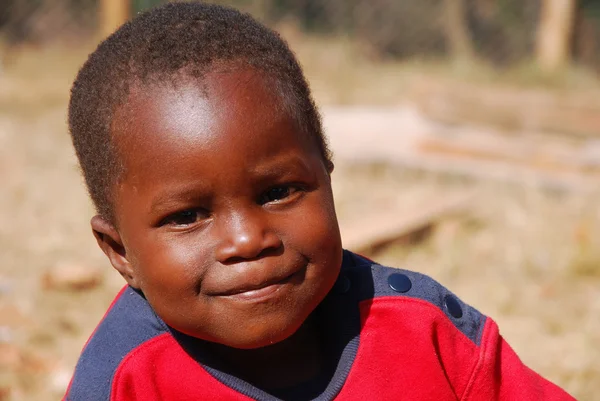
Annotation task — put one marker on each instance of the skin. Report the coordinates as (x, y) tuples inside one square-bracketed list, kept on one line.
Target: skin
[(224, 219)]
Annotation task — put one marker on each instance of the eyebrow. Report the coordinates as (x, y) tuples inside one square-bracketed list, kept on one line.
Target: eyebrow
[(275, 166), (175, 197)]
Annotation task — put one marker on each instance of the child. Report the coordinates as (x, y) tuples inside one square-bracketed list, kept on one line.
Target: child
[(203, 152)]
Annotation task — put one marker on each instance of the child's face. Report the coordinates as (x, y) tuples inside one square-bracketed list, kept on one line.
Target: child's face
[(225, 211)]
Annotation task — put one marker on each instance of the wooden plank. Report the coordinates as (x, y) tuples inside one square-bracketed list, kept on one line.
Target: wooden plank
[(405, 138), (388, 225), (576, 113)]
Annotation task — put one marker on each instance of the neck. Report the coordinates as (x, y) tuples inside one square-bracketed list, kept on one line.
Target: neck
[(285, 364)]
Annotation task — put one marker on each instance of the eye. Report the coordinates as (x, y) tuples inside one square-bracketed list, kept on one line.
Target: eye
[(276, 194), (183, 218)]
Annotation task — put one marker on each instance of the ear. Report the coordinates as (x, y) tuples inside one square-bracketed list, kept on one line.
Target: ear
[(329, 166), (109, 240)]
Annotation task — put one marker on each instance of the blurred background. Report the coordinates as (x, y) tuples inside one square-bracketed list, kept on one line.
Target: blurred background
[(467, 144)]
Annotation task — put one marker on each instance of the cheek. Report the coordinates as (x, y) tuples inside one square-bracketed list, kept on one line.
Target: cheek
[(317, 237), (314, 230), (326, 218), (171, 263)]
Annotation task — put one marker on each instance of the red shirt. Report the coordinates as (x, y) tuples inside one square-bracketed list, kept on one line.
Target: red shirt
[(391, 334)]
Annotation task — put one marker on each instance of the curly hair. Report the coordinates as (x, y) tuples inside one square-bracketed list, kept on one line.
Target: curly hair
[(163, 45)]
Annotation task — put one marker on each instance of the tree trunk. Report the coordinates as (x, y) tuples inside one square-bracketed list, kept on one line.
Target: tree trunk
[(585, 40), (113, 14), (554, 34), (457, 30)]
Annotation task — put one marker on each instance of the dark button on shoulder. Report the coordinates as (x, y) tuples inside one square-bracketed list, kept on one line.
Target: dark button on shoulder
[(399, 282), (453, 306), (342, 285)]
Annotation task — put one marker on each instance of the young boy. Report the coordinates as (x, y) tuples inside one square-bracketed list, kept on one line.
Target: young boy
[(204, 155)]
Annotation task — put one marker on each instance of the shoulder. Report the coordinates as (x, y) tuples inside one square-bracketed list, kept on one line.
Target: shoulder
[(128, 325), (418, 294)]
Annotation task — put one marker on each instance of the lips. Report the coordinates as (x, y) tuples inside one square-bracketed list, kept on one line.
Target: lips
[(252, 288), (251, 281)]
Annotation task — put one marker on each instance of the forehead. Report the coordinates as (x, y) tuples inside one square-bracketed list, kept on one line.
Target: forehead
[(182, 101), (239, 108)]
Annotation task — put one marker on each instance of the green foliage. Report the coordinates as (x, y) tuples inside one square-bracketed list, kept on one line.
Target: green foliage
[(591, 8), (140, 5)]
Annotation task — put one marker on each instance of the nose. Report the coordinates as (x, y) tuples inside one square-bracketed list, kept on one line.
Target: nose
[(245, 236)]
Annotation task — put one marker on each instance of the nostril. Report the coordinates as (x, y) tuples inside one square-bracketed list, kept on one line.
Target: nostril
[(233, 260), (271, 251)]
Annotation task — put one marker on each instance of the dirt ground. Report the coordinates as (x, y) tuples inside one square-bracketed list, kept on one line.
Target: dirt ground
[(528, 258)]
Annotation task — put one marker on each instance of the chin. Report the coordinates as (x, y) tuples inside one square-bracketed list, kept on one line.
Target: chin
[(266, 337)]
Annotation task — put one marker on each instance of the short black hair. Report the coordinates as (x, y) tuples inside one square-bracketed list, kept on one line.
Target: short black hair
[(162, 45)]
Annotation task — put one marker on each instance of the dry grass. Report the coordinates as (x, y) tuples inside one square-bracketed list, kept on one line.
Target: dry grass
[(529, 259)]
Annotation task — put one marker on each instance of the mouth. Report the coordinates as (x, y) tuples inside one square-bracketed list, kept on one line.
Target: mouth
[(256, 292)]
